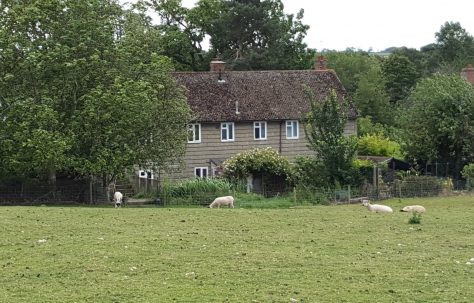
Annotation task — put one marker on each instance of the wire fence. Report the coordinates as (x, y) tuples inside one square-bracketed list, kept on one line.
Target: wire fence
[(82, 192), (63, 193)]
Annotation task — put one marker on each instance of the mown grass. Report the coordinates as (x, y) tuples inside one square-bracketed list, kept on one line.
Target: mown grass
[(312, 254)]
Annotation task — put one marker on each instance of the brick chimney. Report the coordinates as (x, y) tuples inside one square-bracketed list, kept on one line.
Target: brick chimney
[(468, 73), (217, 65), (320, 63)]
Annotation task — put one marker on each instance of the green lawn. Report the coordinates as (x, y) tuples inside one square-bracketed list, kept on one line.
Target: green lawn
[(312, 254)]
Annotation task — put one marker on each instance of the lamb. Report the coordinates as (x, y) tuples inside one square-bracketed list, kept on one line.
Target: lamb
[(414, 209), (377, 208), (118, 199), (227, 200)]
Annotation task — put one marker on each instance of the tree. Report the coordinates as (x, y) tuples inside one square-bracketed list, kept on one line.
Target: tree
[(350, 66), (400, 75), (439, 121), (103, 99), (324, 129), (455, 45), (370, 97), (253, 34)]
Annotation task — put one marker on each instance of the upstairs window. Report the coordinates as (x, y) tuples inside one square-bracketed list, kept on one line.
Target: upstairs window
[(292, 129), (227, 131), (260, 130), (194, 133)]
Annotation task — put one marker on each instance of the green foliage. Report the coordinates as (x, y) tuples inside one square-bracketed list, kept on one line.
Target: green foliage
[(258, 160), (438, 121), (378, 145), (468, 173), (415, 219), (365, 126), (401, 75), (32, 142), (101, 101), (197, 191), (350, 67), (324, 129), (309, 171), (455, 46), (370, 97)]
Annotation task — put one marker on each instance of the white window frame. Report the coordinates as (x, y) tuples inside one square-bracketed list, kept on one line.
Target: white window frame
[(192, 129), (258, 125), (229, 129), (201, 169), (292, 127), (146, 174)]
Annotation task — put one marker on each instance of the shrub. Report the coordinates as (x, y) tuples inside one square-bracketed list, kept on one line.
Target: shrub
[(415, 219), (258, 160), (468, 173), (378, 145)]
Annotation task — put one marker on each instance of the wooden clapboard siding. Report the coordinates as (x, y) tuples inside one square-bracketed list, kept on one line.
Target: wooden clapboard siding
[(212, 148)]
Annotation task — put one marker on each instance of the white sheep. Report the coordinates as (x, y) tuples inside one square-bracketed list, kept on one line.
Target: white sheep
[(118, 199), (414, 209), (377, 208), (227, 200)]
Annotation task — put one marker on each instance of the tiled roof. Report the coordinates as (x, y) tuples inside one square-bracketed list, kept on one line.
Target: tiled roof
[(256, 95)]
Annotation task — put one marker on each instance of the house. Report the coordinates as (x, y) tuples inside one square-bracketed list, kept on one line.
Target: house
[(236, 111)]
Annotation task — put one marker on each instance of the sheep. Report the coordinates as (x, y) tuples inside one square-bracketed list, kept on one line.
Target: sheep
[(414, 209), (377, 208), (118, 199), (227, 200)]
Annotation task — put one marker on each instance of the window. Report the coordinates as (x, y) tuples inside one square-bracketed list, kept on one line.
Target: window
[(194, 133), (146, 174), (200, 172), (292, 129), (260, 130), (227, 131)]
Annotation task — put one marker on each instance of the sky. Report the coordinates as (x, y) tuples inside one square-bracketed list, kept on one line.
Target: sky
[(377, 24)]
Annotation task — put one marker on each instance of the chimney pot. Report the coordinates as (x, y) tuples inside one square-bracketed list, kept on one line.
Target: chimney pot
[(468, 73), (217, 65), (320, 63)]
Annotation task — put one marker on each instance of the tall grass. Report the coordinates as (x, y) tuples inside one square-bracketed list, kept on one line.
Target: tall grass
[(195, 191)]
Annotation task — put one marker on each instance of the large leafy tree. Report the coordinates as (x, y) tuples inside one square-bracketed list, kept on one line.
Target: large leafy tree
[(439, 121), (103, 100), (401, 75), (324, 129), (455, 45), (371, 98), (254, 34)]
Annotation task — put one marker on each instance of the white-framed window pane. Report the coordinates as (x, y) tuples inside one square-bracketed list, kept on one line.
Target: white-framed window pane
[(260, 130), (194, 133), (292, 129), (200, 172), (227, 131)]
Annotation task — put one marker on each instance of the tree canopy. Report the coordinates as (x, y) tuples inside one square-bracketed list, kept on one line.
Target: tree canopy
[(99, 99), (439, 120)]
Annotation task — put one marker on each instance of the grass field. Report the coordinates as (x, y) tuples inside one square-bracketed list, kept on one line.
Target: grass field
[(311, 254)]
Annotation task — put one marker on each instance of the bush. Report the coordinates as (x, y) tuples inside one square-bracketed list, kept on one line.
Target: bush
[(258, 160), (468, 173), (415, 219)]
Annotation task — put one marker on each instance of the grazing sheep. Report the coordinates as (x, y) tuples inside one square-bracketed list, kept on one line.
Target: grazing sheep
[(414, 209), (118, 199), (377, 208), (227, 200)]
